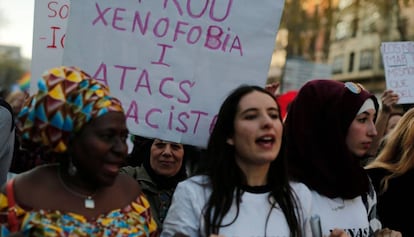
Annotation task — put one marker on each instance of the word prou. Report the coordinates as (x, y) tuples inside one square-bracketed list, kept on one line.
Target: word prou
[(180, 121)]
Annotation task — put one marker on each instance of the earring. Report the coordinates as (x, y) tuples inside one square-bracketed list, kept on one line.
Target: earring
[(72, 170)]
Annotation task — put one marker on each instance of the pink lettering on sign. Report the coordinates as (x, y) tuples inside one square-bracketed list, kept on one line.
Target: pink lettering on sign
[(141, 77), (58, 12), (58, 39), (213, 37), (210, 7), (180, 121), (171, 89)]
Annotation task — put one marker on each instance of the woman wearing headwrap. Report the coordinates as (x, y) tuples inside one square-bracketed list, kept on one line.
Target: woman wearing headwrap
[(329, 129), (74, 117)]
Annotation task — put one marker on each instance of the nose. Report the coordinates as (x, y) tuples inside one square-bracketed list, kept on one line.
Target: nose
[(119, 145), (268, 122), (167, 150), (372, 130)]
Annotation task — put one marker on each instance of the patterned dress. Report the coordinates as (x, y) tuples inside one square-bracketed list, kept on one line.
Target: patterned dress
[(132, 220)]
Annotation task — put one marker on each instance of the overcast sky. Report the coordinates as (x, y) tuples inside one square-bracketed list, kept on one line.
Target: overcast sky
[(16, 24)]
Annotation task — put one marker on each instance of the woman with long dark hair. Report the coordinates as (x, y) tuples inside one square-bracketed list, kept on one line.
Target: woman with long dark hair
[(244, 189)]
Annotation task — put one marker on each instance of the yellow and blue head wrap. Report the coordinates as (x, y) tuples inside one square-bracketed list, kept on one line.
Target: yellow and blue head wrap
[(66, 100)]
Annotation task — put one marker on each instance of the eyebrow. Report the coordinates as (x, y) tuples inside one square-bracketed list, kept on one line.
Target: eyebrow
[(256, 109), (366, 113), (164, 142)]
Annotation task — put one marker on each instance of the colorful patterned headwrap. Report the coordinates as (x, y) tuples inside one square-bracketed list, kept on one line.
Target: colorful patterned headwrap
[(66, 100)]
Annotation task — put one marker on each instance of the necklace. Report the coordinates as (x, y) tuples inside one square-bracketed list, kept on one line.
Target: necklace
[(88, 199)]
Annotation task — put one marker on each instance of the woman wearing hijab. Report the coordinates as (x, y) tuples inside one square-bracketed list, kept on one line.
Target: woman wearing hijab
[(329, 129), (162, 166), (74, 117)]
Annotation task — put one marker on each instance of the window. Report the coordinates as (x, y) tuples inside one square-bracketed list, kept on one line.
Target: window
[(369, 22), (366, 60), (342, 30), (351, 62), (337, 64)]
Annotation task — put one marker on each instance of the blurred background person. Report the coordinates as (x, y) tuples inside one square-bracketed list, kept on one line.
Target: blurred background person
[(16, 100), (161, 165), (392, 173), (388, 116), (7, 139)]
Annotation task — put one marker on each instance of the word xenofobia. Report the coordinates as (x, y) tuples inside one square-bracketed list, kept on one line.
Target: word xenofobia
[(215, 38)]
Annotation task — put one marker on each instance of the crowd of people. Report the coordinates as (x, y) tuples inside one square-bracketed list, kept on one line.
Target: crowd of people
[(331, 161)]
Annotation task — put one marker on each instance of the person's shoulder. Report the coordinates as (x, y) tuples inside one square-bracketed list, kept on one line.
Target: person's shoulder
[(129, 170), (30, 185), (376, 174), (126, 180), (5, 104), (301, 190), (195, 183), (198, 179), (37, 175), (377, 171), (298, 185), (128, 184), (6, 116)]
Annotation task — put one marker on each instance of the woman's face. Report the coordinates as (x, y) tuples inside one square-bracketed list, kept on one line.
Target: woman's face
[(258, 130), (392, 121), (100, 148), (166, 157), (361, 133)]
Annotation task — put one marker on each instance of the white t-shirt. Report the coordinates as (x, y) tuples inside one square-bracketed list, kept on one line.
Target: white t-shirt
[(349, 214), (185, 214)]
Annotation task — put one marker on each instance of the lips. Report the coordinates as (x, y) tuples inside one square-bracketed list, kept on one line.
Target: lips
[(111, 168), (166, 163), (366, 145), (266, 140)]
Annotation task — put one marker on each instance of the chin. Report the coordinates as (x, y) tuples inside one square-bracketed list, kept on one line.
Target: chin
[(360, 154), (107, 181)]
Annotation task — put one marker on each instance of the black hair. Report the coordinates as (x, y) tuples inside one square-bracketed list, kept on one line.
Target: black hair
[(227, 178)]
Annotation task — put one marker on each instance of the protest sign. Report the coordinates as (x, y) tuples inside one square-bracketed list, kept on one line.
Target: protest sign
[(299, 71), (49, 28), (398, 60), (173, 62)]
